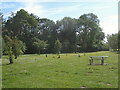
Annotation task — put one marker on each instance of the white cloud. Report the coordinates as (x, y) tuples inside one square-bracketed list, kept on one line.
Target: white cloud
[(110, 24), (41, 11), (31, 7), (37, 10), (62, 9), (59, 0)]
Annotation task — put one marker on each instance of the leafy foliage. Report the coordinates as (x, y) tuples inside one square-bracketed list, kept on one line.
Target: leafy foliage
[(90, 34), (24, 27), (8, 48), (113, 41), (67, 33), (18, 47), (40, 45), (57, 46), (82, 35), (13, 48)]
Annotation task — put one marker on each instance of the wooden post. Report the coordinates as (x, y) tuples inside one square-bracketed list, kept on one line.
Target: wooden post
[(91, 61), (102, 61)]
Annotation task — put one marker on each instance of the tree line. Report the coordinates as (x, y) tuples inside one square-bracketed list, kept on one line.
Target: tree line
[(114, 41), (28, 33)]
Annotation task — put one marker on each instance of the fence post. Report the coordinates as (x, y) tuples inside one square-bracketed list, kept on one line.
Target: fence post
[(102, 61), (91, 61)]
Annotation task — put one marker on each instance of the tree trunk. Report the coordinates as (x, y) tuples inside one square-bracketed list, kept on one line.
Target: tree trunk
[(11, 59), (15, 56)]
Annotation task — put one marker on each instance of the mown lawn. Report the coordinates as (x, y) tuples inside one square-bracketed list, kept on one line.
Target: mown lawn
[(71, 71)]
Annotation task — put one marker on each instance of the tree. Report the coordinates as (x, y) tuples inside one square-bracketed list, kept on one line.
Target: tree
[(3, 46), (89, 32), (24, 27), (40, 45), (18, 47), (47, 32), (13, 48), (8, 48), (57, 46), (105, 47), (113, 41), (119, 40), (84, 32), (65, 46), (67, 32)]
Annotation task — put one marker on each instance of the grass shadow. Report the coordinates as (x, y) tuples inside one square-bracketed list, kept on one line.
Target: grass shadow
[(99, 64), (5, 64)]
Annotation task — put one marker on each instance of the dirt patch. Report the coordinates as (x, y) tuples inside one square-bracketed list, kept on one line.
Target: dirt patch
[(106, 64), (25, 72), (111, 64), (108, 84), (90, 72), (83, 87)]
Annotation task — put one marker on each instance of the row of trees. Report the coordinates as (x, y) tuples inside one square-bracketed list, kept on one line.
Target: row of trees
[(114, 41), (24, 32), (83, 34)]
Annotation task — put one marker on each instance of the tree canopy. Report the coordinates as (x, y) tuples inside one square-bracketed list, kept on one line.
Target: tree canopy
[(113, 41), (40, 45), (57, 46), (13, 47), (90, 34), (75, 35)]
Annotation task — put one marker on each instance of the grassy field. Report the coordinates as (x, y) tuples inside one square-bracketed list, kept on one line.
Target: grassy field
[(71, 71)]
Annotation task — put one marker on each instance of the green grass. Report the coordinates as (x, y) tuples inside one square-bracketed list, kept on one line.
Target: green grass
[(71, 71)]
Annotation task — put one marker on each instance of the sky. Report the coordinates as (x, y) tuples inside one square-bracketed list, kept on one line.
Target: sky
[(106, 10)]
